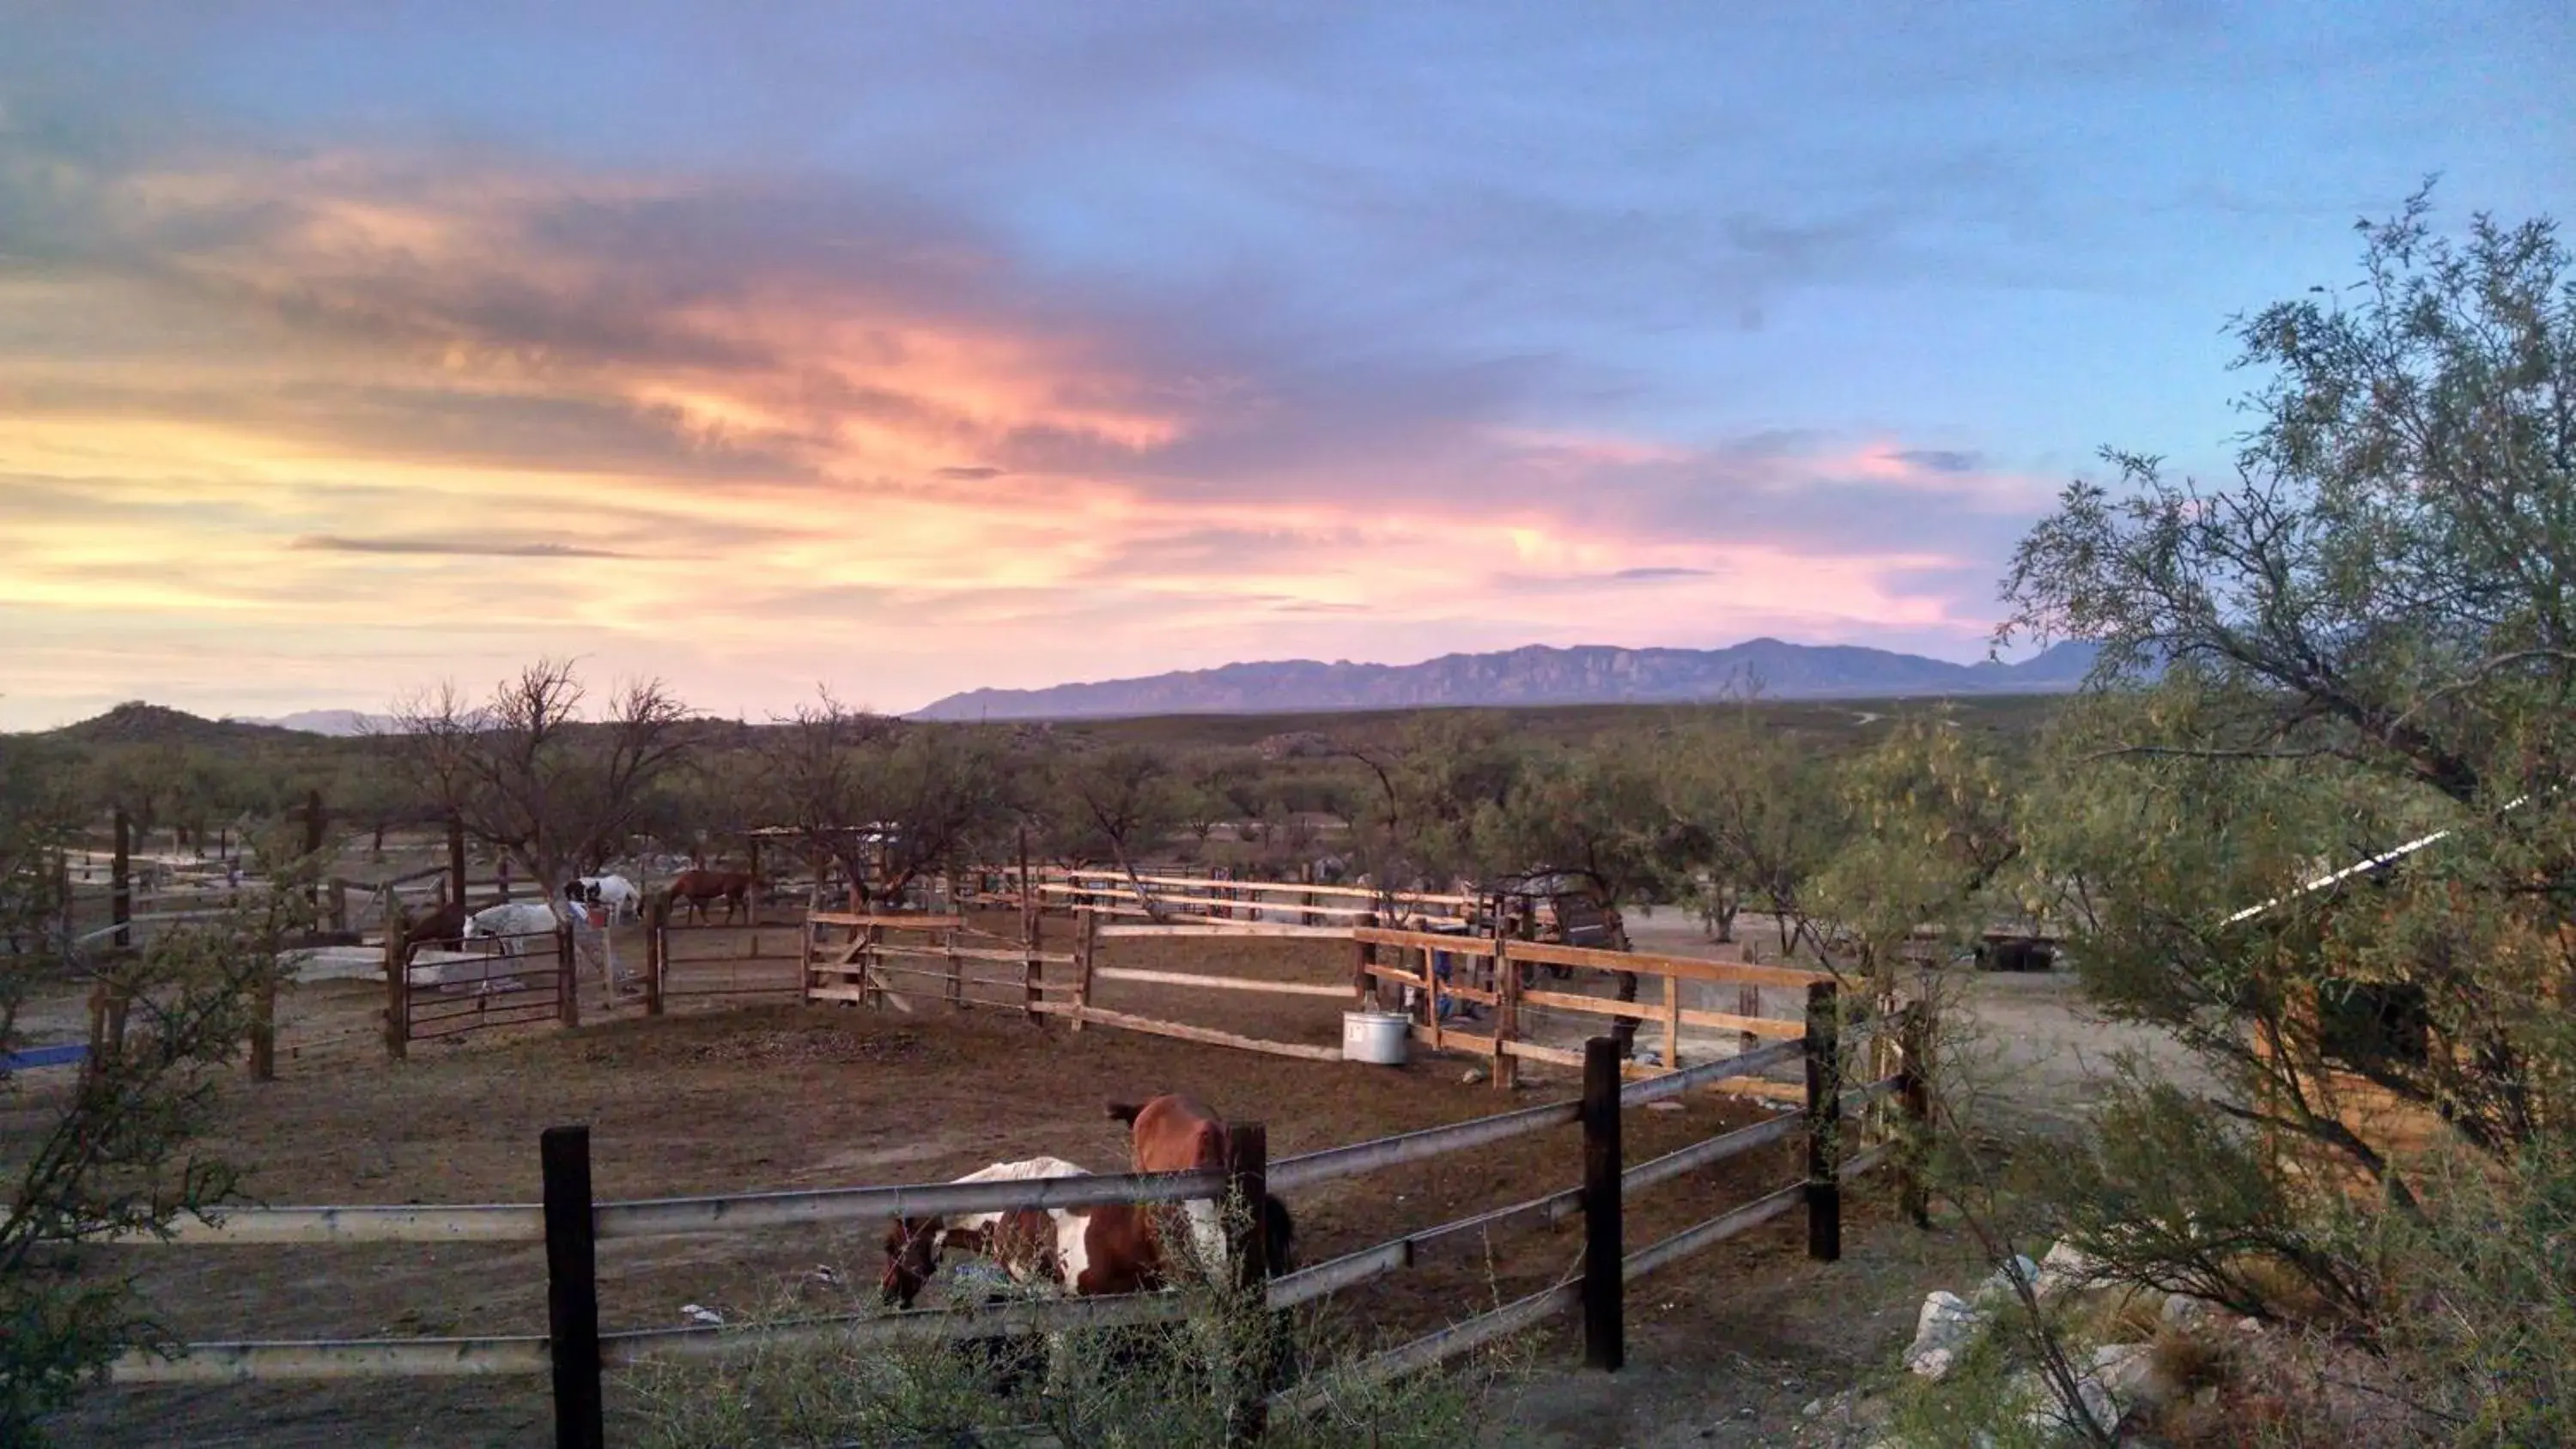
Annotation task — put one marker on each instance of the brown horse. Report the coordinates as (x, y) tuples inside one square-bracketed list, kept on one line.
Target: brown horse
[(695, 888), (443, 927)]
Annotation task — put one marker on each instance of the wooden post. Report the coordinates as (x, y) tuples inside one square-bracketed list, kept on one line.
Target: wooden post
[(572, 1288), (1824, 1126), (1672, 1022), (567, 978), (397, 982), (1914, 1101), (1507, 1012), (872, 966), (1604, 1308), (120, 880), (1247, 1188), (1363, 956), (339, 904), (1032, 967), (751, 897), (456, 857), (1748, 1002), (263, 1026), (313, 841), (806, 952), (1431, 994), (956, 963), (655, 956), (1086, 945)]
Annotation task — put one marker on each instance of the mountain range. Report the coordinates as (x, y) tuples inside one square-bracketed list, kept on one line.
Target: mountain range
[(1534, 675)]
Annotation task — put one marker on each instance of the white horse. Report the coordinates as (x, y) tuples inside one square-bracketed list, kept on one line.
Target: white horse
[(624, 901), (510, 921)]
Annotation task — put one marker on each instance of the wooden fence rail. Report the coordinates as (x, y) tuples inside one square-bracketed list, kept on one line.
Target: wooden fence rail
[(574, 1351)]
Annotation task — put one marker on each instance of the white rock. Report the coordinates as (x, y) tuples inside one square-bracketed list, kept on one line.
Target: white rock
[(1942, 1330), (2066, 1269), (701, 1315), (1472, 1076), (2048, 1417), (2135, 1381), (2000, 1284), (2182, 1310)]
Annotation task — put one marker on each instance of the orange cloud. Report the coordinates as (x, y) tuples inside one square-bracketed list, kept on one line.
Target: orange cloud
[(358, 421)]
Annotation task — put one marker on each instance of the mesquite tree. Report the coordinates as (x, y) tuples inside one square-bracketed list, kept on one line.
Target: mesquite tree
[(526, 771), (2366, 637)]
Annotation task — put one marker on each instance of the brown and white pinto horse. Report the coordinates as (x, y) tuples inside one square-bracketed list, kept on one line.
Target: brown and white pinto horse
[(1089, 1251), (695, 888), (1177, 1133)]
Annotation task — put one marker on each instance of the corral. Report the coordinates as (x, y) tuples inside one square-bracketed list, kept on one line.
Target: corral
[(785, 1098)]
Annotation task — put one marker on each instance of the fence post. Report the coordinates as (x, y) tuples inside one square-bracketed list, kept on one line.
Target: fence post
[(1363, 956), (1085, 946), (456, 859), (1914, 1101), (809, 950), (572, 1288), (397, 981), (263, 1025), (1824, 1125), (120, 881), (567, 980), (655, 955), (1032, 969), (1247, 1190), (1507, 1011), (1748, 1002), (1604, 1310)]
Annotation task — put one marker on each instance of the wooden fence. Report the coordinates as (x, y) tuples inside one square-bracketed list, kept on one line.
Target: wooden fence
[(574, 1351)]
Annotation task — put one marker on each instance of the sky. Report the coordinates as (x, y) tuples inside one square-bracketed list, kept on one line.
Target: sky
[(906, 349)]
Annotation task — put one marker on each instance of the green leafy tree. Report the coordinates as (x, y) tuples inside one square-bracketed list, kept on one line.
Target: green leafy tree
[(2367, 637), (116, 1152), (1751, 809)]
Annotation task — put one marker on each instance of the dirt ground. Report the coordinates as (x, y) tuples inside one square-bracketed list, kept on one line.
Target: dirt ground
[(726, 1097)]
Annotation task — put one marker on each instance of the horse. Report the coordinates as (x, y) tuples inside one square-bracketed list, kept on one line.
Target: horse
[(1175, 1133), (1085, 1251), (510, 921), (443, 927), (616, 892), (697, 887)]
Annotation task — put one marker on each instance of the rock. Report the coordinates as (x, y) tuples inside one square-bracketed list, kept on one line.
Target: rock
[(1942, 1330), (2000, 1285), (1666, 1105), (1471, 1076), (2066, 1269), (2249, 1325), (697, 1314), (2182, 1310), (2048, 1417), (2133, 1377)]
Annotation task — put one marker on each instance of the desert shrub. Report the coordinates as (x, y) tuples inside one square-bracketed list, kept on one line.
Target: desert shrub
[(1132, 1387), (2170, 1193), (1117, 1388)]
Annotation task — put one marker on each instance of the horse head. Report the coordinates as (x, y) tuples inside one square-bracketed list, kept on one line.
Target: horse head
[(912, 1249)]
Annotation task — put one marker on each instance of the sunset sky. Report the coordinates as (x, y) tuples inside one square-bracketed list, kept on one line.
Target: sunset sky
[(914, 348)]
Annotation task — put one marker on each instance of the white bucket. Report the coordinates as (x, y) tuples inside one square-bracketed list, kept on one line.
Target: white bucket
[(1376, 1037)]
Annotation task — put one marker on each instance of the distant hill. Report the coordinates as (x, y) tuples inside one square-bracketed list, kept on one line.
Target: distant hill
[(335, 722), (137, 723), (1536, 675)]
